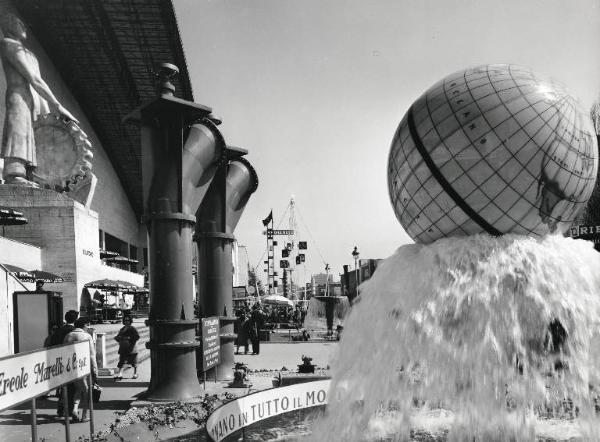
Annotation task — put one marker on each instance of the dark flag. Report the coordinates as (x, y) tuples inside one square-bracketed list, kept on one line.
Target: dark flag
[(268, 219)]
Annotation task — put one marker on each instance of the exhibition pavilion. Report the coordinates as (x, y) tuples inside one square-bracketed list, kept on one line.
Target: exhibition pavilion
[(77, 219)]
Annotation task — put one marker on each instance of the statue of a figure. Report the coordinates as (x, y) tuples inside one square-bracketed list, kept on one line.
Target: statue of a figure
[(27, 97)]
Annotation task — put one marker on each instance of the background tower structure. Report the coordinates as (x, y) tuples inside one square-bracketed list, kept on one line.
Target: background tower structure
[(292, 245), (270, 258)]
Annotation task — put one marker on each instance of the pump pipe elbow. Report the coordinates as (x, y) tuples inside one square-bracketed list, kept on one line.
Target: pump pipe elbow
[(241, 183), (203, 152)]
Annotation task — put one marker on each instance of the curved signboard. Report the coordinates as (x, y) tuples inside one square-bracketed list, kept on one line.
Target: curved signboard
[(247, 410), (26, 375)]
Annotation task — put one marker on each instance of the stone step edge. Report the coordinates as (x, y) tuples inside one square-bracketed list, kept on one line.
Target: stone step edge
[(112, 333), (110, 371), (113, 354), (141, 348)]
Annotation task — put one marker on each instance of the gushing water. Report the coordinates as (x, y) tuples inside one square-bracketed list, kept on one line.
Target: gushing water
[(317, 312), (476, 338)]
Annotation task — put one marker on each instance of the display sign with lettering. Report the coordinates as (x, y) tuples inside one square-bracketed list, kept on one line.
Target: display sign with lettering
[(68, 276), (247, 410), (27, 375), (210, 342), (585, 232), (271, 232)]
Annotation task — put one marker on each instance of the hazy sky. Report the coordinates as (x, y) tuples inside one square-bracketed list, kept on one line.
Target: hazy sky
[(315, 89)]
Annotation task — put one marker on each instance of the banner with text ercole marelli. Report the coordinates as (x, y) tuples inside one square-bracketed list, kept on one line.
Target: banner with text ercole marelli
[(25, 376)]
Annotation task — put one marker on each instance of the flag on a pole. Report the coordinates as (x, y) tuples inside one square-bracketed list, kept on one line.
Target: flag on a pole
[(268, 219)]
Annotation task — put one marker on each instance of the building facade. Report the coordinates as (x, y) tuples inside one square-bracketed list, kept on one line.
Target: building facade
[(353, 277), (97, 59)]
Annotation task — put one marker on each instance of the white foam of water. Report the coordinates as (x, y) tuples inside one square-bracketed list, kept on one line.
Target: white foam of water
[(442, 327), (315, 314)]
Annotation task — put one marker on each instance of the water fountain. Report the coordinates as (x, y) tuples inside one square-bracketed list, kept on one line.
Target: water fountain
[(326, 313), (466, 347), (481, 336), (488, 328)]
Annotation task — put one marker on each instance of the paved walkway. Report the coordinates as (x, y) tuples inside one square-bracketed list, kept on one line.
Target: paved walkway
[(275, 356), (15, 424)]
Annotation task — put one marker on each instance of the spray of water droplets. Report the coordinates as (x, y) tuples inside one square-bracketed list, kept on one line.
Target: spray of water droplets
[(476, 338)]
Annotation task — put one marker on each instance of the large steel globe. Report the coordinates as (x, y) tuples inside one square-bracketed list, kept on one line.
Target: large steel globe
[(493, 149)]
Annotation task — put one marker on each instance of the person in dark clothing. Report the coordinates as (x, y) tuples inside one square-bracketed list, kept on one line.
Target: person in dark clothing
[(243, 332), (57, 339), (70, 318), (256, 321), (127, 338), (48, 341)]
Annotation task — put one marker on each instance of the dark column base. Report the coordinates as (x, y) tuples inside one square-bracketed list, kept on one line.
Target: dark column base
[(166, 387)]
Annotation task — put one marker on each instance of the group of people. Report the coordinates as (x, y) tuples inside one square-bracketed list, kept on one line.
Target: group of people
[(76, 329), (286, 315), (247, 327)]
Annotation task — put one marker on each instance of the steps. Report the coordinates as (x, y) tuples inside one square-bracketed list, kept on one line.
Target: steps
[(108, 359)]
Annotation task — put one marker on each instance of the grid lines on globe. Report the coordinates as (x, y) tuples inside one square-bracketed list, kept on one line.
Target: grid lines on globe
[(502, 142), (417, 186)]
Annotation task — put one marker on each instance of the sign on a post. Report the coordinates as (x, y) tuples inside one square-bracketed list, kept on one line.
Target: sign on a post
[(210, 343), (26, 375), (272, 232)]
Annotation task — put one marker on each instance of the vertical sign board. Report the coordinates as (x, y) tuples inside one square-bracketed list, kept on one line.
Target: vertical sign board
[(26, 375), (210, 343)]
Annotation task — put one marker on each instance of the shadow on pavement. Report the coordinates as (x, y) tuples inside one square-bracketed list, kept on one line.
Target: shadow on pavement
[(24, 418), (117, 404), (109, 383)]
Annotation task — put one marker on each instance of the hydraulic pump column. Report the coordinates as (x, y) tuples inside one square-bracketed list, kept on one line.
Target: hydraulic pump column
[(172, 192), (217, 218)]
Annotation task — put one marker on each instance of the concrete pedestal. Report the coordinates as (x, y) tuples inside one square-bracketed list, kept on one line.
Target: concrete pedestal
[(67, 234)]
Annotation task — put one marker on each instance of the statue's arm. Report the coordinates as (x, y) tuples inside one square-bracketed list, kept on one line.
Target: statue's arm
[(15, 54)]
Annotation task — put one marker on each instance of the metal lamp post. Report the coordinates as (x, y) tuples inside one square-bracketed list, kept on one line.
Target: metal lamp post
[(327, 280), (356, 255)]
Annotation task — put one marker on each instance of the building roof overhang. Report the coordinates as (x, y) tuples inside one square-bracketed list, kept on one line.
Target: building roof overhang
[(107, 52)]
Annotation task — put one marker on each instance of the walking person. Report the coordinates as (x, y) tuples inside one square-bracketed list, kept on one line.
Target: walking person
[(127, 338), (81, 386)]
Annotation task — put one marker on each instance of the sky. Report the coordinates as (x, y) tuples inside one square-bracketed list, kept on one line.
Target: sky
[(314, 90)]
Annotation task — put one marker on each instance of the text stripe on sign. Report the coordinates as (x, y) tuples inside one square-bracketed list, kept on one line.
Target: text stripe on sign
[(26, 375), (247, 410)]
